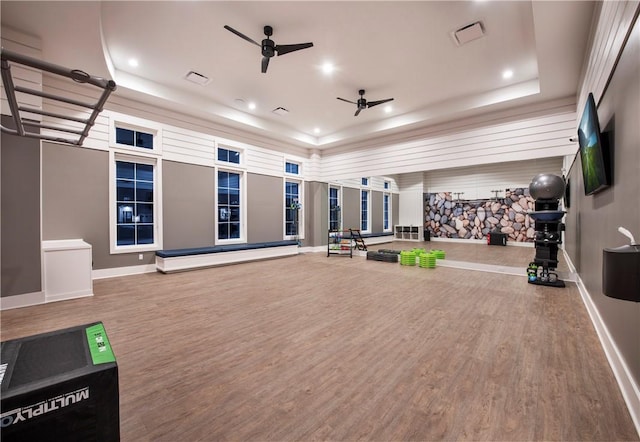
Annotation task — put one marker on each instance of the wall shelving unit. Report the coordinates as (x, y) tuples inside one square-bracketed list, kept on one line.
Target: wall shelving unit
[(406, 233)]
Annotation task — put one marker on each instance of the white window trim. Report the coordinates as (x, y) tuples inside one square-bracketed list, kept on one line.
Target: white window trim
[(368, 185), (301, 231), (390, 228), (157, 203), (243, 203), (339, 188), (117, 120), (368, 230), (226, 164)]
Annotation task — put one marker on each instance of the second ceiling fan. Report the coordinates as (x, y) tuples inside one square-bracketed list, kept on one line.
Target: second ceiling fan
[(269, 47), (363, 104)]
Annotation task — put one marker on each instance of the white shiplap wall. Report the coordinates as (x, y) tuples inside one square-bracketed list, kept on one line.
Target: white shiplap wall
[(411, 203), (539, 131), (479, 181)]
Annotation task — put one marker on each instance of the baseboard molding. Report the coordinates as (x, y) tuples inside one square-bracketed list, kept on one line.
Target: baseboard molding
[(66, 296), (481, 241), (629, 389), (23, 300), (123, 271)]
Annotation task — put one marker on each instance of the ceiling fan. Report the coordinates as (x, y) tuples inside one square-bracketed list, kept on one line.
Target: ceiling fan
[(269, 47), (363, 104)]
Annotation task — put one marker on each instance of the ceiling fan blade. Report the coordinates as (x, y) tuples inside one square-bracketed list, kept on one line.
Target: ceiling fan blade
[(285, 49), (265, 64), (348, 101), (357, 112), (375, 103), (241, 35)]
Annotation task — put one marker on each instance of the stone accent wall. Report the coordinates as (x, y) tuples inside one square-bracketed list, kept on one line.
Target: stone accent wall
[(449, 218)]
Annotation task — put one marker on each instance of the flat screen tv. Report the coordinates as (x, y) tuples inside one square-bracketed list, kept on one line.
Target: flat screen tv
[(593, 154)]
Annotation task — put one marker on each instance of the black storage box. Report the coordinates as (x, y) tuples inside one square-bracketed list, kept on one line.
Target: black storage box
[(60, 386), (497, 239)]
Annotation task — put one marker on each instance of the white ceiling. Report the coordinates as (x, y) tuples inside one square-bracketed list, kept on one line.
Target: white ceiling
[(393, 49)]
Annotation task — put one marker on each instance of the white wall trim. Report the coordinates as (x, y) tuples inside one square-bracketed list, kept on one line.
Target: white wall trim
[(123, 271), (629, 389), (482, 241), (24, 300)]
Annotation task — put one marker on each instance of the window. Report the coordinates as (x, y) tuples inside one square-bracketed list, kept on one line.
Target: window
[(292, 168), (292, 208), (387, 185), (386, 206), (134, 200), (131, 134), (365, 181), (228, 155), (134, 138), (229, 205), (334, 208), (364, 210)]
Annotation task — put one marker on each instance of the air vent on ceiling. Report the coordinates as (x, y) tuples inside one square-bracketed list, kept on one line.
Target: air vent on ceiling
[(197, 78), (280, 111), (468, 33)]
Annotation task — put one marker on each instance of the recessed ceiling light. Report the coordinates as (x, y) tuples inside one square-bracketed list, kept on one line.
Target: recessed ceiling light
[(328, 68), (388, 109), (251, 105), (507, 74), (133, 62), (316, 130)]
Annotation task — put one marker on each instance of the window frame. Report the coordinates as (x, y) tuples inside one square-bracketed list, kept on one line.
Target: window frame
[(223, 163), (365, 181), (243, 205), (339, 198), (301, 218), (114, 248), (288, 161), (366, 191), (389, 212), (121, 121)]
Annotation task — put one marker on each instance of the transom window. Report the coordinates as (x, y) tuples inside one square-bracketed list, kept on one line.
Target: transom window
[(135, 205), (130, 137), (292, 168), (228, 155), (387, 185), (229, 215), (365, 181)]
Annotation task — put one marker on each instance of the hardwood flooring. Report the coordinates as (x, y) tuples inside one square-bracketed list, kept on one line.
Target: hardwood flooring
[(317, 348)]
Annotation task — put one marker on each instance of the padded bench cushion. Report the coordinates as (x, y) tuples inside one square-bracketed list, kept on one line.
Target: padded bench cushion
[(223, 248)]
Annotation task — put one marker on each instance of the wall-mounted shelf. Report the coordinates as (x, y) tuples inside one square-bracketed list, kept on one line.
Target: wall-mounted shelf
[(406, 233)]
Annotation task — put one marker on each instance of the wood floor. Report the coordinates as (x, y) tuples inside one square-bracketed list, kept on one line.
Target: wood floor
[(316, 348)]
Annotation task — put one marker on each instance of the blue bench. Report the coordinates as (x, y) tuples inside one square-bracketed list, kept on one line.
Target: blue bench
[(198, 257)]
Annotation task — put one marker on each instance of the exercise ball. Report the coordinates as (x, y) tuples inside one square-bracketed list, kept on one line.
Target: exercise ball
[(546, 186)]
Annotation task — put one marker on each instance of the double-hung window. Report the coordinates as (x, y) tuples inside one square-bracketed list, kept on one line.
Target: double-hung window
[(293, 195), (135, 171), (230, 182), (364, 210), (386, 212), (334, 208)]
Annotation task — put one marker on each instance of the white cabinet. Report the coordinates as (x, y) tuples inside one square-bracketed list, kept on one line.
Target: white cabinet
[(66, 269), (406, 233)]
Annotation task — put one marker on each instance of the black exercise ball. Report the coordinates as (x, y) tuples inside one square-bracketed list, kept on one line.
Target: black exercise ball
[(546, 186)]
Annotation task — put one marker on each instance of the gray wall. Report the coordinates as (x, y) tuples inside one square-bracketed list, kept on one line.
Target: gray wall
[(265, 208), (376, 212), (20, 209), (592, 221), (350, 208), (395, 209), (75, 202), (188, 205), (316, 213)]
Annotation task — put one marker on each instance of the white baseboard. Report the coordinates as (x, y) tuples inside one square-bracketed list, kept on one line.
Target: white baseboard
[(123, 271), (630, 390), (70, 295), (480, 241), (23, 300)]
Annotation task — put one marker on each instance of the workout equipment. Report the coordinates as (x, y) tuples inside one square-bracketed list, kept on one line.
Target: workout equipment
[(407, 258), (546, 189), (384, 257), (427, 260), (439, 254)]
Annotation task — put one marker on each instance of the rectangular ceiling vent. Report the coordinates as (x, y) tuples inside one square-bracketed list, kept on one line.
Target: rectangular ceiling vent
[(197, 78), (280, 111), (468, 33)]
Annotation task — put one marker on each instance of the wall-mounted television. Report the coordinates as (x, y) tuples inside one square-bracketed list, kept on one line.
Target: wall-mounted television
[(593, 153)]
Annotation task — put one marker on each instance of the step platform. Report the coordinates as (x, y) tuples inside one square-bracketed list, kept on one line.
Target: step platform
[(384, 257)]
